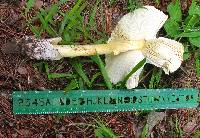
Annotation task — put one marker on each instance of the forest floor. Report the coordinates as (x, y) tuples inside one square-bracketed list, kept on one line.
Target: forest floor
[(19, 73)]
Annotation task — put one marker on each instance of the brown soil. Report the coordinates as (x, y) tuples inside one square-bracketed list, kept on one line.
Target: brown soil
[(18, 73)]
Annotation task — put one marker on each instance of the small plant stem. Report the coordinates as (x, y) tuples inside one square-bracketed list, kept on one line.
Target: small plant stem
[(100, 49)]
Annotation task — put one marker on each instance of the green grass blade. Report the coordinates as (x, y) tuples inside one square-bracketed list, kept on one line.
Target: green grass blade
[(101, 66), (68, 16), (138, 66), (79, 69), (73, 85), (98, 133), (56, 75), (92, 22), (60, 75), (81, 84), (104, 132), (131, 5), (62, 2), (95, 76), (196, 134), (155, 78), (53, 10), (29, 5), (195, 41), (34, 30), (76, 18), (47, 27), (189, 34), (197, 66), (46, 66), (144, 132)]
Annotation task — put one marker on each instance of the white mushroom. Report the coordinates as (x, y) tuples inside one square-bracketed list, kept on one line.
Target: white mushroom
[(142, 24)]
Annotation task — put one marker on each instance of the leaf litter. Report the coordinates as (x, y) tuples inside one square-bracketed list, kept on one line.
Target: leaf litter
[(123, 124)]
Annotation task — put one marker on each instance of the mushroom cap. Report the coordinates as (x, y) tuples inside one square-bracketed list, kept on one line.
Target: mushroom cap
[(143, 23), (119, 66), (164, 53)]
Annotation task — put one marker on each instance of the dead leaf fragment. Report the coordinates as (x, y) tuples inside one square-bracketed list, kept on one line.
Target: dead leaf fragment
[(191, 126), (153, 119), (22, 70)]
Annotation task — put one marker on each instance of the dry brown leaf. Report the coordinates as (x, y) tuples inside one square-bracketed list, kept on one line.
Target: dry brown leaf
[(153, 119)]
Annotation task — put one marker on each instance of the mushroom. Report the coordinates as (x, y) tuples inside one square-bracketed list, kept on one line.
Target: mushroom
[(142, 24), (132, 40)]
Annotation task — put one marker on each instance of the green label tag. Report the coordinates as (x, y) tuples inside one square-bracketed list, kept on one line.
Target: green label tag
[(80, 101)]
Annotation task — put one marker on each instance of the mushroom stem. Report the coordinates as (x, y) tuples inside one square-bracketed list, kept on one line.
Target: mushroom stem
[(88, 50)]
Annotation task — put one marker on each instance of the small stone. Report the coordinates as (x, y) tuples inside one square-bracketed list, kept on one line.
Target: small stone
[(59, 136), (22, 70)]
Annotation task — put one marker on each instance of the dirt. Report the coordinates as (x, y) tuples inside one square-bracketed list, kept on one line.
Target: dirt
[(18, 73)]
